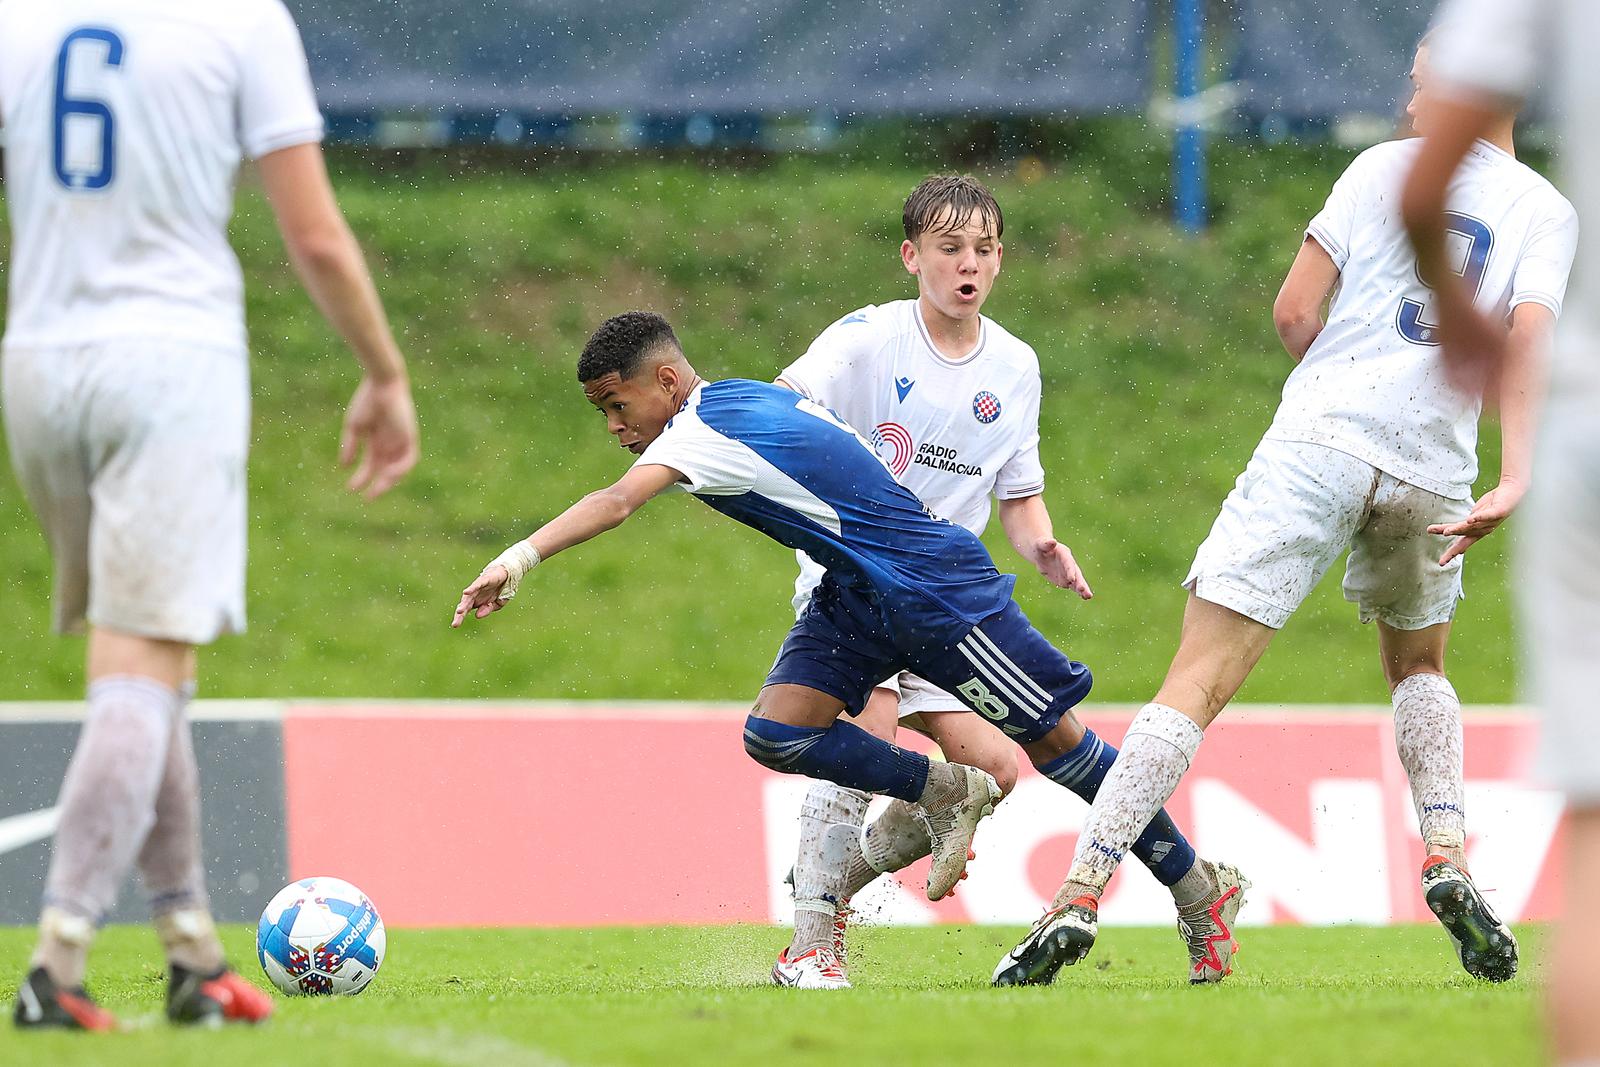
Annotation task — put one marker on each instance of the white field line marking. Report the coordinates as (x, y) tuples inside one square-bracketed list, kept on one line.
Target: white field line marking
[(18, 831), (456, 1048)]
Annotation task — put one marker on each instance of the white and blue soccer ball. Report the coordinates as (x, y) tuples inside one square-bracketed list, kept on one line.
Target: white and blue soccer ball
[(320, 937)]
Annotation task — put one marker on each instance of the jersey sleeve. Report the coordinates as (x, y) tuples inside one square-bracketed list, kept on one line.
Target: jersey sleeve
[(1334, 226), (277, 104), (1491, 46), (1023, 474), (711, 463), (1541, 275), (829, 368)]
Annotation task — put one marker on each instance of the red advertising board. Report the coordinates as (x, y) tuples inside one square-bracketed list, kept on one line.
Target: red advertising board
[(585, 815)]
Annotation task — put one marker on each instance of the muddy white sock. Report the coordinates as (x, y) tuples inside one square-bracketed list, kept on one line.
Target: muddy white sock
[(830, 824), (171, 863), (895, 840), (107, 806), (1156, 752), (1427, 734)]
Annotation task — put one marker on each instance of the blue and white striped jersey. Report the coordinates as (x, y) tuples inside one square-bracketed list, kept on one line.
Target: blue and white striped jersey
[(790, 468)]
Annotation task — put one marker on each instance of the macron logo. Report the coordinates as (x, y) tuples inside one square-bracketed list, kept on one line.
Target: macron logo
[(903, 386), (19, 831)]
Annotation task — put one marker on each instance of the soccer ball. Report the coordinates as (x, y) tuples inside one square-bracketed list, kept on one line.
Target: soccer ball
[(320, 936)]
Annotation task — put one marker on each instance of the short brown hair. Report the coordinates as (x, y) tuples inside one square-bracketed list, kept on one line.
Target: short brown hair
[(961, 195)]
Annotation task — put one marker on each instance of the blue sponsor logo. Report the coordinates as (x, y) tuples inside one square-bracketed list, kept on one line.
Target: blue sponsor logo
[(903, 386)]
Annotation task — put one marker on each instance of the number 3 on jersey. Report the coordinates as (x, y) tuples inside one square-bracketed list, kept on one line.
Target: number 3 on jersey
[(1479, 239), (85, 45)]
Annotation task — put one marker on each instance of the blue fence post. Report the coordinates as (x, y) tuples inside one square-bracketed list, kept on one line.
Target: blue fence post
[(1189, 150)]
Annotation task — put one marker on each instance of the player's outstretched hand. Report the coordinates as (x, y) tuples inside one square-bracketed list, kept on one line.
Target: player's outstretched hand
[(1489, 512), (380, 425), (1055, 562), (482, 598)]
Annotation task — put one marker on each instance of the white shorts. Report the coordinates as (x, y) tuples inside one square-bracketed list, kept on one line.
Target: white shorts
[(918, 695), (1298, 506), (132, 454), (1558, 581)]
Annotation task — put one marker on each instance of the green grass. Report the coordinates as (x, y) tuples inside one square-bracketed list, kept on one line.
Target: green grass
[(1161, 370), (700, 995)]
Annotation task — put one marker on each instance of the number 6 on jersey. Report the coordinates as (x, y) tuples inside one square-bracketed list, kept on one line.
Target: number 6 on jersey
[(74, 116)]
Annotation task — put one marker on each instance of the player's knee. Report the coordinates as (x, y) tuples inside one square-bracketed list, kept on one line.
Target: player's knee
[(1398, 671), (778, 745), (1002, 767)]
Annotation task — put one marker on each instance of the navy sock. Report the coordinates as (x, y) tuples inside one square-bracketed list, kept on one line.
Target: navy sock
[(1161, 847), (842, 753)]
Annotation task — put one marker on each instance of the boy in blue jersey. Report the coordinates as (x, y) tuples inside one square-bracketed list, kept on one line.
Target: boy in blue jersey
[(904, 590)]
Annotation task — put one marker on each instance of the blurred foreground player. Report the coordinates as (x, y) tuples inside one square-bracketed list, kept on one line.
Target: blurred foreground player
[(126, 396), (1372, 449), (904, 590), (1488, 58), (951, 400)]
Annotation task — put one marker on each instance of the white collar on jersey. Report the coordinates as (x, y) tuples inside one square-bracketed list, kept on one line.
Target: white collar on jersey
[(933, 350)]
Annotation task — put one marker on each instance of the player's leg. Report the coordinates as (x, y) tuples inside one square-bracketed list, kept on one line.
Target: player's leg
[(1557, 578), (1289, 516), (1575, 967), (1128, 791), (1428, 735), (790, 730), (898, 837), (1069, 755), (827, 862), (1428, 738), (1394, 576), (45, 433), (831, 659), (165, 436)]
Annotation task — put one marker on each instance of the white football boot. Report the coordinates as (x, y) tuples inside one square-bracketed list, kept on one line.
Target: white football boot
[(952, 826), (820, 968), (1207, 927)]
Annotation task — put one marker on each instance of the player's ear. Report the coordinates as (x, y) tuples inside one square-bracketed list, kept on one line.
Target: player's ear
[(667, 377), (908, 256)]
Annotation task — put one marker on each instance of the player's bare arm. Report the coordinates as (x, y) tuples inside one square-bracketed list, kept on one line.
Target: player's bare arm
[(1473, 344), (1297, 312), (600, 511), (381, 423), (1026, 522), (1521, 376)]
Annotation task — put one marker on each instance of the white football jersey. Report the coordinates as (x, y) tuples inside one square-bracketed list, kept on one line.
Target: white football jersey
[(124, 123), (954, 432), (1373, 384), (1506, 48)]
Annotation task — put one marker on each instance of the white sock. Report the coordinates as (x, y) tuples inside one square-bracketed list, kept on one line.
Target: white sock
[(107, 808), (895, 840), (171, 864), (830, 825), (1427, 734), (1156, 752)]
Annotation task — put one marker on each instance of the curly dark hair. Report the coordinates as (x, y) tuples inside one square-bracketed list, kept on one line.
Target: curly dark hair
[(962, 195), (621, 343)]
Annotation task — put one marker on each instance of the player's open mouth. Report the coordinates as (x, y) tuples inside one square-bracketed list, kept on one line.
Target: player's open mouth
[(635, 448), (968, 291)]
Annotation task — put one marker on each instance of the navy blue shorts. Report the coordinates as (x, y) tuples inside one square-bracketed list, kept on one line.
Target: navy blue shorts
[(1005, 670)]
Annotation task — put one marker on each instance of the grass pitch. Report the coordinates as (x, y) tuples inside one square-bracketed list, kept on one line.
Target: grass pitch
[(670, 995)]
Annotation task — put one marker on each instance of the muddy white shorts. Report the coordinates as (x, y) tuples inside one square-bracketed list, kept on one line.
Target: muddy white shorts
[(1558, 583), (132, 455), (918, 695), (1296, 508)]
